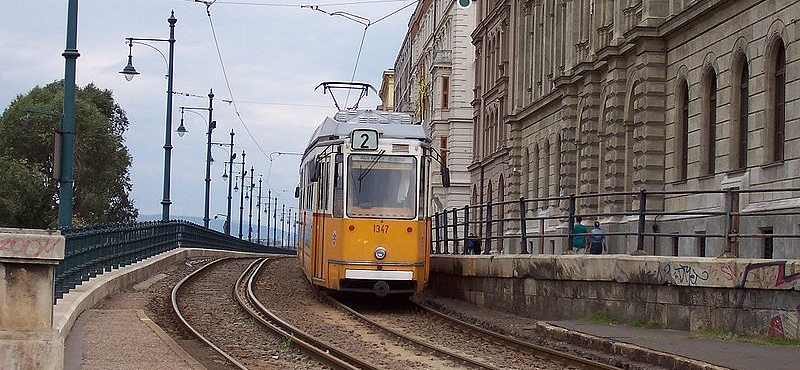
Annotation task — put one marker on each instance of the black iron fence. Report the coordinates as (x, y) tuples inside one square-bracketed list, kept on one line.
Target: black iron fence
[(90, 251), (528, 221)]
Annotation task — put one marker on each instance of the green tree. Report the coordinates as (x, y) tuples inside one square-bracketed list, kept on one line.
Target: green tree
[(29, 195)]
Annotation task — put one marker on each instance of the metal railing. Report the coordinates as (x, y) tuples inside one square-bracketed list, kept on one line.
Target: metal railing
[(90, 251), (451, 228)]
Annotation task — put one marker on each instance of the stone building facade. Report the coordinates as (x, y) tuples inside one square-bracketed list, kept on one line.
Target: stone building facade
[(597, 96), (434, 79)]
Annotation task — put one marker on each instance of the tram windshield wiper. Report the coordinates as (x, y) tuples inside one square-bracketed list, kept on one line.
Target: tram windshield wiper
[(370, 166)]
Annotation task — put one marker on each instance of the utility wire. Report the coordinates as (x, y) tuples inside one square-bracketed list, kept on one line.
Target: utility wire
[(360, 20), (232, 101)]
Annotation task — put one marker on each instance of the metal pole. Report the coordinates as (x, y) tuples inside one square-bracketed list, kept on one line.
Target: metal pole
[(269, 200), (523, 230), (70, 54), (488, 247), (455, 231), (466, 227), (275, 222), (211, 126), (230, 183), (295, 230), (283, 211), (258, 211), (446, 236), (241, 195), (250, 216), (168, 135), (642, 211), (570, 222)]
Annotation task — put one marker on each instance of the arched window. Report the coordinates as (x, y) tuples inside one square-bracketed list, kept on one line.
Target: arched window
[(776, 103), (546, 168), (710, 121), (682, 131), (742, 111)]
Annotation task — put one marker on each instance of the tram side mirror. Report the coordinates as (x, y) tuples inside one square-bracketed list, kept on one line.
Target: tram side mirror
[(297, 192), (445, 177)]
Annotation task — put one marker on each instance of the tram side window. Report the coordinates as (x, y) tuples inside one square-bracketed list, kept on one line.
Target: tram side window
[(338, 187)]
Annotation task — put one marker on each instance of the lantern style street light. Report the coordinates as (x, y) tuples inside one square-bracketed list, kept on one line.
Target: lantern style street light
[(225, 176), (211, 126), (130, 72)]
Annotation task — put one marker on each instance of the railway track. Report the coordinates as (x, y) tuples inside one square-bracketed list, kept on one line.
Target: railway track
[(322, 350), (524, 350), (517, 353)]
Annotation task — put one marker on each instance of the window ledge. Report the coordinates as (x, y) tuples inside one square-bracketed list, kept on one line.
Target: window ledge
[(772, 164)]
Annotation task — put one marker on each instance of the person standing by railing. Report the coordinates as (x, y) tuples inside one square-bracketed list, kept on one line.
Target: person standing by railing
[(597, 241), (579, 238)]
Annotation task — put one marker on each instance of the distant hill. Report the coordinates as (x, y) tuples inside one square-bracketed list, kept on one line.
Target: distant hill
[(218, 225)]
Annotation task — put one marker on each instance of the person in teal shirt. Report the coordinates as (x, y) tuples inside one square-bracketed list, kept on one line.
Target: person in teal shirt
[(578, 241)]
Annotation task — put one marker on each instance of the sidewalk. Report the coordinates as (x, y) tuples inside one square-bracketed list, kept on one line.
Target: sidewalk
[(729, 354), (119, 336)]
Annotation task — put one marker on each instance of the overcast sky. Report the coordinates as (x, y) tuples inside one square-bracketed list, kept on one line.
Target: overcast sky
[(274, 52)]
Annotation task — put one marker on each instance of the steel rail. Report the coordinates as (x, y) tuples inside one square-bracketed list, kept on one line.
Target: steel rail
[(562, 357), (186, 324), (436, 349), (324, 351)]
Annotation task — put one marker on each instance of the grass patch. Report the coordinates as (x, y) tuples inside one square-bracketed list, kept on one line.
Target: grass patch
[(639, 323), (602, 319), (738, 337)]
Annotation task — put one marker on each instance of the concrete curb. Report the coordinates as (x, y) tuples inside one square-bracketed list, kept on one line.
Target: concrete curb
[(633, 352), (175, 347)]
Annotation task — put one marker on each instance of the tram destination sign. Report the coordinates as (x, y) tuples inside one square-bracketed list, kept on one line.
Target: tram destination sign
[(363, 139)]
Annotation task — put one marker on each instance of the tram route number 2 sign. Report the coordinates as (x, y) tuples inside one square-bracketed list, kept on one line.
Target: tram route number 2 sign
[(364, 139)]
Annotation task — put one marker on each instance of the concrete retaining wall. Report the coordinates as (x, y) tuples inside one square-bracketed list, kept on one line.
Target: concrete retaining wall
[(690, 293)]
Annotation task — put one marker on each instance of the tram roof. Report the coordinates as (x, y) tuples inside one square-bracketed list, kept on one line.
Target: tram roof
[(393, 125)]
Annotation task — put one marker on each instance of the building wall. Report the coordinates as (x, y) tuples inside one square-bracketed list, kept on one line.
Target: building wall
[(436, 62), (585, 96), (754, 297)]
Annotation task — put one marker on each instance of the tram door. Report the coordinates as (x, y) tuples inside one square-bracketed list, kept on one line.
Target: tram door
[(319, 221)]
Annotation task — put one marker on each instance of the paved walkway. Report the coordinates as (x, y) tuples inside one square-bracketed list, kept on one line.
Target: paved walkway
[(729, 354), (117, 335)]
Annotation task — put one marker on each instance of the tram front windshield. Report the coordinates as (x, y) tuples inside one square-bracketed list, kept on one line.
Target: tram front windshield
[(382, 186)]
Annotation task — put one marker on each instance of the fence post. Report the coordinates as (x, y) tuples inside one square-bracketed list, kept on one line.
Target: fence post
[(523, 231), (446, 236), (729, 225), (488, 247), (437, 217), (570, 221), (466, 227), (640, 229), (455, 231)]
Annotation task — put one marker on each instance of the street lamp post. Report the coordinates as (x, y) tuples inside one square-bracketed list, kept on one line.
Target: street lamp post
[(283, 211), (250, 216), (70, 54), (275, 221), (211, 126), (269, 199), (258, 211), (129, 73), (230, 164), (241, 196), (295, 230)]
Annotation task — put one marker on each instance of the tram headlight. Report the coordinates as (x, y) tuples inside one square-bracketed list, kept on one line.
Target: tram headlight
[(380, 253)]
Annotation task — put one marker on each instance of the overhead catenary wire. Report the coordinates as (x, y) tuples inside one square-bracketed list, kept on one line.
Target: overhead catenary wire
[(232, 102), (366, 22)]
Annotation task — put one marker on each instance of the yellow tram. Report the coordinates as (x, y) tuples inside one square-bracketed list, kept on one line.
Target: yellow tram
[(363, 196)]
